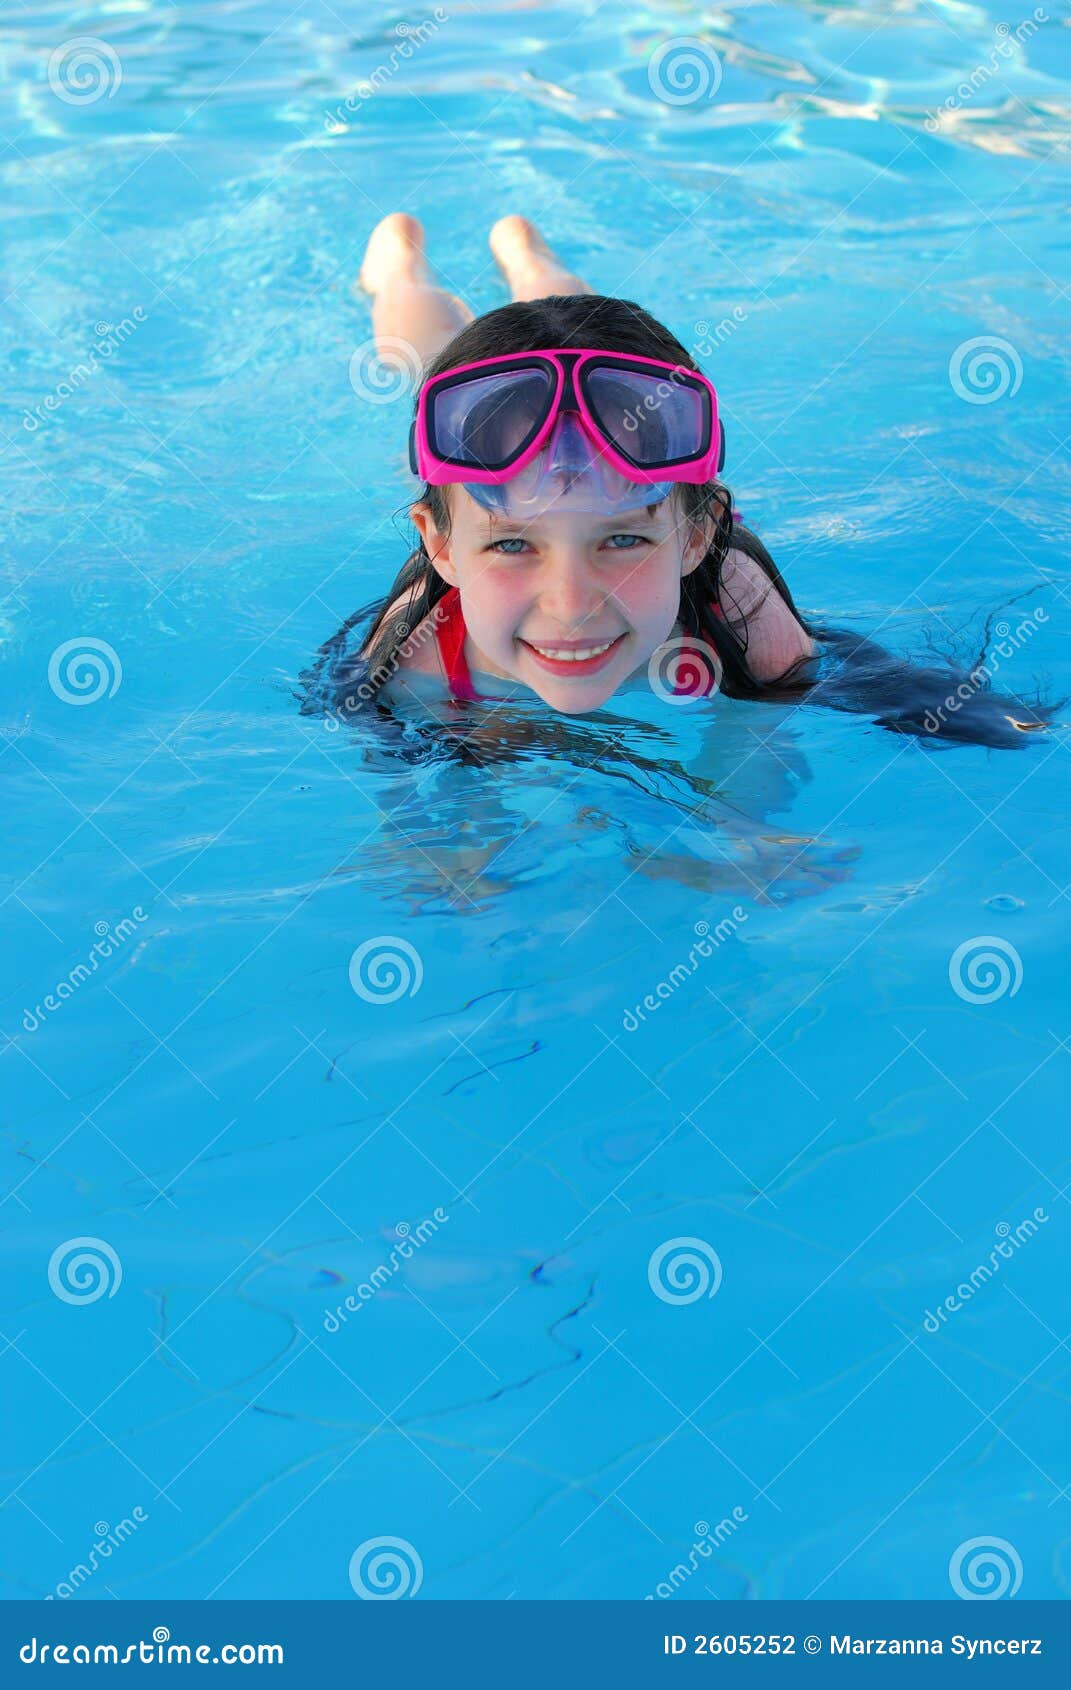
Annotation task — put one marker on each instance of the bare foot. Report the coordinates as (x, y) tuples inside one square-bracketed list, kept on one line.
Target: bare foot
[(394, 254), (411, 314), (529, 266)]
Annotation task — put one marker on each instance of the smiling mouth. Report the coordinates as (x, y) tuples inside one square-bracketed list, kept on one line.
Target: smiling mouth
[(574, 658)]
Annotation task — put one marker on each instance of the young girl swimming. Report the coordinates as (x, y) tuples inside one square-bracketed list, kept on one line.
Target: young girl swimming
[(575, 537)]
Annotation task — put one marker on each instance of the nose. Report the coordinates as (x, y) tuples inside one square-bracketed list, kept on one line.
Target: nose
[(570, 594)]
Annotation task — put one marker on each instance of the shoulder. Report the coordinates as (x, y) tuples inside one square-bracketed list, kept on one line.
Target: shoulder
[(745, 584), (776, 640), (418, 648)]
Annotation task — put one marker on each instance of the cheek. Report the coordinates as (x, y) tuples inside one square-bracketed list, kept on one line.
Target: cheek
[(652, 594), (495, 600)]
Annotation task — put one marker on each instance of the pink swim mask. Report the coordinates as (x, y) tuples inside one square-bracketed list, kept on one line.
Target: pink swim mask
[(580, 429)]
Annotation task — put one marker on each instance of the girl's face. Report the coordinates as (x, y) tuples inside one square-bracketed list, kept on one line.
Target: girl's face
[(570, 603)]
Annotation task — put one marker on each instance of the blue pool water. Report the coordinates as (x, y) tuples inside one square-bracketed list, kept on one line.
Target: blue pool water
[(247, 1138)]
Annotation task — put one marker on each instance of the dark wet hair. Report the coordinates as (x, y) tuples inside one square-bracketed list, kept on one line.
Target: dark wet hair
[(611, 325)]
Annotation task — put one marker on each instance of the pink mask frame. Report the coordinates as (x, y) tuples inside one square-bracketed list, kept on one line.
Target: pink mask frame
[(568, 366)]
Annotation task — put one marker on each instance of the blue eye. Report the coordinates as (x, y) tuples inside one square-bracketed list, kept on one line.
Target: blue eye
[(514, 544)]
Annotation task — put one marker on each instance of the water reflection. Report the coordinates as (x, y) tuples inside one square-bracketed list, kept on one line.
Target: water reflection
[(486, 800)]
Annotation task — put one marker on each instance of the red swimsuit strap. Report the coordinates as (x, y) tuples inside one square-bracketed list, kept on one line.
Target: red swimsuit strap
[(450, 638)]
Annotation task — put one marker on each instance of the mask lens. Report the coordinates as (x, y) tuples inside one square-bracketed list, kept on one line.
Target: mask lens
[(490, 420), (649, 418)]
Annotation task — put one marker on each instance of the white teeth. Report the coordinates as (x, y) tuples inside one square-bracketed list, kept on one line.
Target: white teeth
[(561, 656)]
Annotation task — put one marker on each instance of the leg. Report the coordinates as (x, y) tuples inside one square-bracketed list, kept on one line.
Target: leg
[(406, 303), (527, 262)]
